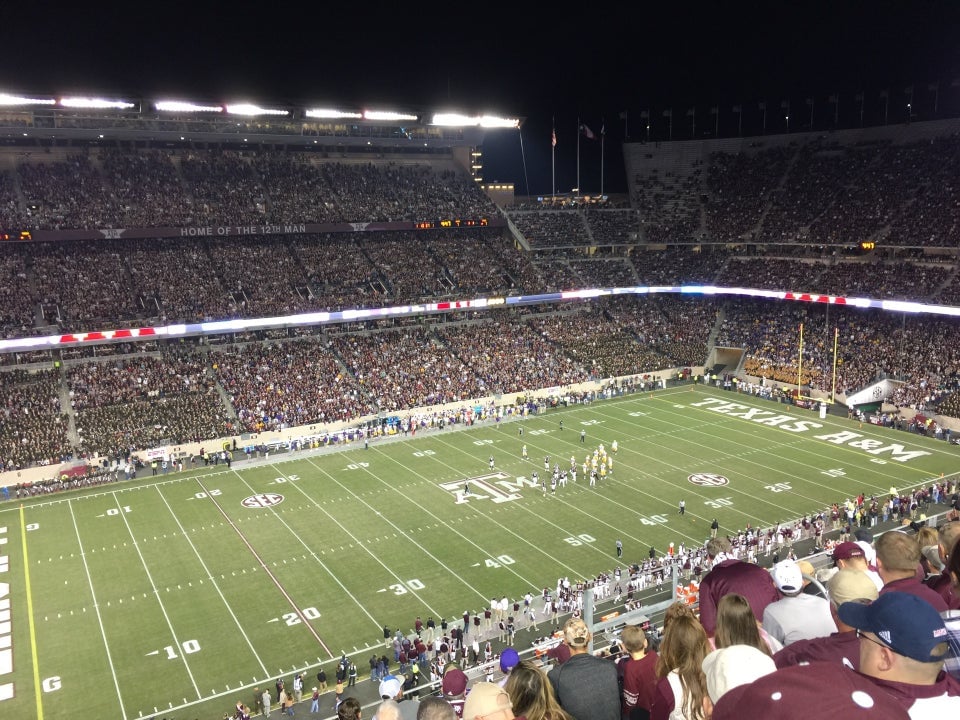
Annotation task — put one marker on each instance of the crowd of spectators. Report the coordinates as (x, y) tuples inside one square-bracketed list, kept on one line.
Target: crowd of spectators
[(278, 385), (552, 229), (135, 395), (519, 359), (139, 401), (773, 194), (819, 190), (33, 426), (150, 188)]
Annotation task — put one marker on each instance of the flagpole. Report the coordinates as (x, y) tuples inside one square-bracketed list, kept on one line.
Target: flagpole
[(553, 158), (603, 139), (800, 364), (836, 340), (578, 155)]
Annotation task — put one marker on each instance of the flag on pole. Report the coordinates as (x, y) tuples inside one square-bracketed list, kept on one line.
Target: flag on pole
[(553, 138), (603, 128), (587, 132)]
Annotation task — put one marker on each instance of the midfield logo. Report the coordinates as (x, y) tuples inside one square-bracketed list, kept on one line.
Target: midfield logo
[(497, 487)]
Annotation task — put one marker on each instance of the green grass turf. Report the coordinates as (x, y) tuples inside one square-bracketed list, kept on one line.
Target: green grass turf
[(167, 596)]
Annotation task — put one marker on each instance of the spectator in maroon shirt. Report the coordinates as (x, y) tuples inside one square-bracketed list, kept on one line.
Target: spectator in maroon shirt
[(898, 557), (819, 690), (638, 673), (729, 575)]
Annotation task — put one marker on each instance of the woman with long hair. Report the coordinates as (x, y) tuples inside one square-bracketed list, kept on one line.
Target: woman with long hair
[(531, 694), (737, 625), (682, 686)]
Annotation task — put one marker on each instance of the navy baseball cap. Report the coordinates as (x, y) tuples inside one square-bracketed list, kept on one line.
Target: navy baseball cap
[(905, 623)]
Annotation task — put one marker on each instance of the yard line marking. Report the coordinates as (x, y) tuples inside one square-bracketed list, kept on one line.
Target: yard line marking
[(276, 582), (156, 592), (216, 585), (96, 608), (367, 550)]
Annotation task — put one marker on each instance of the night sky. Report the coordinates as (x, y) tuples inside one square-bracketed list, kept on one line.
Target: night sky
[(546, 63)]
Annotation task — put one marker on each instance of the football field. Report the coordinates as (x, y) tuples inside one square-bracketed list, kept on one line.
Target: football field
[(173, 596)]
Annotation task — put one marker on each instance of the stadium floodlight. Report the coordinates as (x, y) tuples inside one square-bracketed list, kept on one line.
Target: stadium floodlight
[(251, 110), (13, 100), (95, 103), (492, 121), (387, 115), (454, 120), (181, 107), (460, 120), (334, 114)]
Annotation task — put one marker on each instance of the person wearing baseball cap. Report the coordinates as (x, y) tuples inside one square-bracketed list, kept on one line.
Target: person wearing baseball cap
[(903, 645), (391, 688), (586, 686), (841, 647), (796, 616), (509, 659), (487, 699), (453, 686), (733, 666), (852, 555)]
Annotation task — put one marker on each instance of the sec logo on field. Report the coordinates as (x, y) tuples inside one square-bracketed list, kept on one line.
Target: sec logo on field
[(708, 480), (263, 500)]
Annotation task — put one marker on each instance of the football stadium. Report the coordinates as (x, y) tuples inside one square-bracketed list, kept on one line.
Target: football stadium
[(294, 394)]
